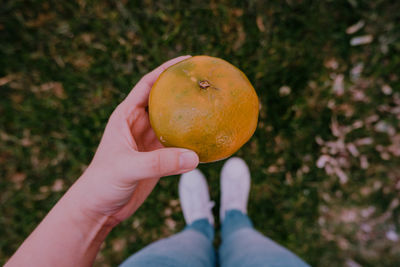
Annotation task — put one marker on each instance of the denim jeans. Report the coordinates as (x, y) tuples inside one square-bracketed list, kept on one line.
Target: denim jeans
[(241, 246)]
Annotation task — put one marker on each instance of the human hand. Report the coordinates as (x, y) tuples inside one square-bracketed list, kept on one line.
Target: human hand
[(127, 165), (129, 160)]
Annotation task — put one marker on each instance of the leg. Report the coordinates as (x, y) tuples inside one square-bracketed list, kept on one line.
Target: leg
[(241, 244), (191, 247), (244, 246)]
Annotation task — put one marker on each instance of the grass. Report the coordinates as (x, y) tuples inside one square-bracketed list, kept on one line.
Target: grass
[(324, 158)]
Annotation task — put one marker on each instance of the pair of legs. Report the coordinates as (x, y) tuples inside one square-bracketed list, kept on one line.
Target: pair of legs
[(241, 244)]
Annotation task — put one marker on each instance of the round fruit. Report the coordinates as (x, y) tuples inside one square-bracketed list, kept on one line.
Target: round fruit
[(204, 104)]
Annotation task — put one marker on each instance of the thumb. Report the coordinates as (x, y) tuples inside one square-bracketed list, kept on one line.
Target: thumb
[(164, 162)]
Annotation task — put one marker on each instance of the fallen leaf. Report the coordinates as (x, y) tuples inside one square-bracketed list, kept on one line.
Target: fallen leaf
[(171, 224), (284, 90), (6, 79), (343, 178), (321, 162), (18, 179), (338, 85), (331, 64), (364, 162), (361, 40), (241, 37), (260, 24), (273, 169), (41, 19), (392, 236), (353, 150), (118, 244), (385, 127), (355, 27), (58, 185), (386, 89), (356, 71)]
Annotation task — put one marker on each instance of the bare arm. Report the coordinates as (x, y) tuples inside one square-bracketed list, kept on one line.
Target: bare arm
[(66, 236), (127, 165)]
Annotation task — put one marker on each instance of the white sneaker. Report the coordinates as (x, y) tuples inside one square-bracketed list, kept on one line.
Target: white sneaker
[(235, 186), (195, 198)]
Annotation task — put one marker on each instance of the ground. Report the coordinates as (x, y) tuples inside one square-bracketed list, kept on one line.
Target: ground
[(324, 158)]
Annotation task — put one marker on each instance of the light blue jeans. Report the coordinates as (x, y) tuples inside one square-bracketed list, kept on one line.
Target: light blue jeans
[(241, 246)]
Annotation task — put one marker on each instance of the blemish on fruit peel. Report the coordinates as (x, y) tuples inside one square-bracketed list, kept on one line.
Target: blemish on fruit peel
[(223, 140), (193, 79)]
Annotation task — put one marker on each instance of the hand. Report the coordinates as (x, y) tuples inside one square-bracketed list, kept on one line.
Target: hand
[(130, 160), (127, 165)]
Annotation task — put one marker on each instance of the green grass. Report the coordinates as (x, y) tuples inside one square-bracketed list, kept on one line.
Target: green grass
[(65, 65)]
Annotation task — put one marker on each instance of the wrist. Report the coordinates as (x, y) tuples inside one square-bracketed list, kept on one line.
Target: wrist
[(80, 204), (86, 229)]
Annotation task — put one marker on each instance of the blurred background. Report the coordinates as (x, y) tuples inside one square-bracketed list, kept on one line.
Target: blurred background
[(326, 153)]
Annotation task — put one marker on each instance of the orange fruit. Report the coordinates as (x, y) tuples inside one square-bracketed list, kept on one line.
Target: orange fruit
[(204, 104)]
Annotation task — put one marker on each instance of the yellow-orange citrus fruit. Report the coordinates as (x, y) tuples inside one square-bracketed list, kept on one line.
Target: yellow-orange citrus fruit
[(204, 104)]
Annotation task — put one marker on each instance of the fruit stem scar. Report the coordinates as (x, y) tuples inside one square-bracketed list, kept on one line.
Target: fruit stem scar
[(204, 84)]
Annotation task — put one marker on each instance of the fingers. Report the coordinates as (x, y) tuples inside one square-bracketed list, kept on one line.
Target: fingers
[(140, 93), (164, 162)]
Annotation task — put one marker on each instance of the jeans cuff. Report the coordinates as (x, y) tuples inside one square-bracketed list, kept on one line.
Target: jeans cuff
[(202, 226), (233, 221)]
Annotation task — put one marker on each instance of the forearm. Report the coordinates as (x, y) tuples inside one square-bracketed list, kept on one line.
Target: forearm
[(66, 236), (126, 167)]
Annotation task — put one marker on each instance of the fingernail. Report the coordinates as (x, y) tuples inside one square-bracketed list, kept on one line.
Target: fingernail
[(188, 160)]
